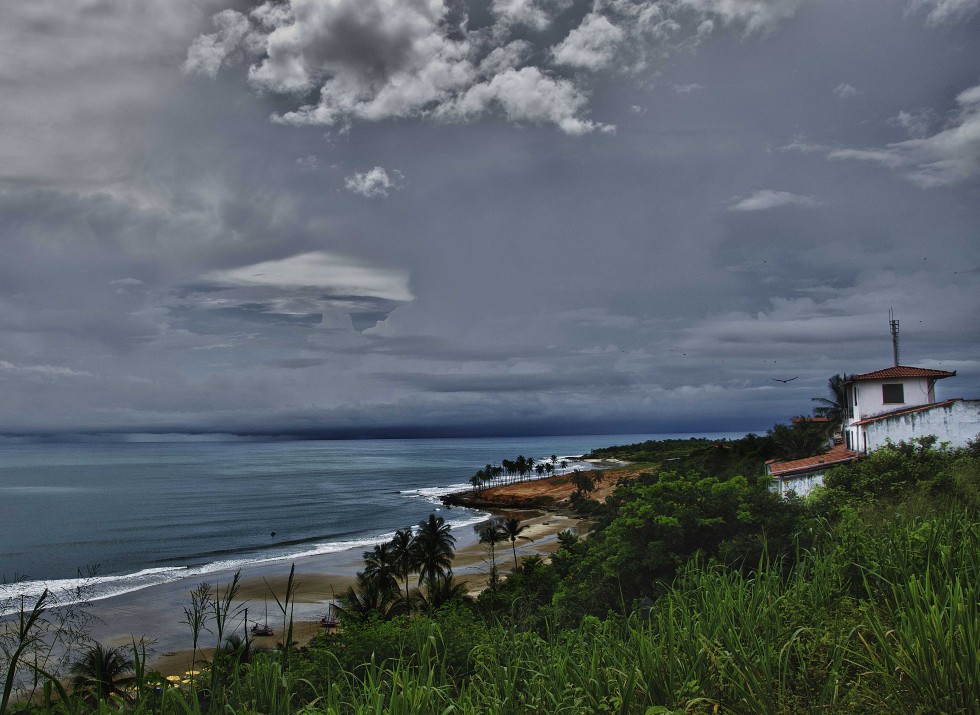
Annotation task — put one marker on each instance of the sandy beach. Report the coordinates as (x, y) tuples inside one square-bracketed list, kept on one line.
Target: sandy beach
[(157, 613)]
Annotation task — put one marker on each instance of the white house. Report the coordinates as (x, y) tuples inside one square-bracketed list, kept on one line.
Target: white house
[(899, 404), (896, 404)]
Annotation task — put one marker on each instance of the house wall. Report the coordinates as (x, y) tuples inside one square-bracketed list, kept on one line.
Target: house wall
[(802, 484), (956, 424), (869, 401)]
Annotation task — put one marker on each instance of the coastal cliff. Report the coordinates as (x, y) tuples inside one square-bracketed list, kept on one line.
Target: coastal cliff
[(545, 493)]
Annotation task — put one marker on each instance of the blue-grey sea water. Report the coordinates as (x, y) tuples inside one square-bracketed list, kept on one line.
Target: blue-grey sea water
[(145, 513)]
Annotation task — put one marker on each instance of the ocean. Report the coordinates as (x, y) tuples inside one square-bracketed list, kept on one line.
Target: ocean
[(140, 514)]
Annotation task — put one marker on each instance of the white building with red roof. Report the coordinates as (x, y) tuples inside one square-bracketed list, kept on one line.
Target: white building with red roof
[(896, 404), (899, 404), (802, 475)]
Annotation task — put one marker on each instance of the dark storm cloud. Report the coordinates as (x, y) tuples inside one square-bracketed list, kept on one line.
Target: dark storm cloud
[(516, 383), (337, 218)]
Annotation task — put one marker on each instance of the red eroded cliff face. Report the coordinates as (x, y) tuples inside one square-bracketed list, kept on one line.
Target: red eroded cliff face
[(545, 492)]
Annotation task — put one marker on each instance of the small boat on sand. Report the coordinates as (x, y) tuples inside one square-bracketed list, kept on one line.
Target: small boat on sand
[(329, 619), (263, 629)]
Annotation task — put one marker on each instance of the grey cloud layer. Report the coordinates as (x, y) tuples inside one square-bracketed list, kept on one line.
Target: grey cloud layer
[(435, 232)]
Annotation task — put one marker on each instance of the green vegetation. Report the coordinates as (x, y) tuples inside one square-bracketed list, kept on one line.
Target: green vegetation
[(699, 592)]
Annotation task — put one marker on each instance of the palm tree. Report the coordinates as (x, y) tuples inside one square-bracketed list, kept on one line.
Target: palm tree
[(508, 467), (403, 556), (434, 547), (98, 668), (583, 483), (491, 535), (833, 408), (512, 529), (380, 568), (366, 597), (801, 440), (497, 471), (440, 591)]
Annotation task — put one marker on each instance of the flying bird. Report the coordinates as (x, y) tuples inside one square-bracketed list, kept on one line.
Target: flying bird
[(785, 381)]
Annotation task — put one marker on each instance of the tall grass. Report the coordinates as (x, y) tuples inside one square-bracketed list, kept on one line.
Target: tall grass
[(922, 642), (871, 617)]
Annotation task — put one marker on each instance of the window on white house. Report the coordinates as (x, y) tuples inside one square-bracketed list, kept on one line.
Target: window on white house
[(893, 394)]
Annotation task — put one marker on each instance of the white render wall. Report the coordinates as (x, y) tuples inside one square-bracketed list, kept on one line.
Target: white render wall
[(956, 424), (802, 484), (869, 402)]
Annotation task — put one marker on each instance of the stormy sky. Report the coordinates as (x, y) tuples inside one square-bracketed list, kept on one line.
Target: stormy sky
[(403, 217)]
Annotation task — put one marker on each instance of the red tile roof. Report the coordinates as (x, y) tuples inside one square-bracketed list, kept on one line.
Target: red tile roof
[(901, 371), (907, 411), (837, 454)]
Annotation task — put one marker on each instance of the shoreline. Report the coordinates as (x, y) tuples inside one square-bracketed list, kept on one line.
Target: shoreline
[(155, 613), (159, 609)]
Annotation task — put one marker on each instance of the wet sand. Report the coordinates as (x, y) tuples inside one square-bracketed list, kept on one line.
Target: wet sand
[(157, 613)]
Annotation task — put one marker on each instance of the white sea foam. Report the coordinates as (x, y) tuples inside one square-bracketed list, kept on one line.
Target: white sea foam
[(92, 588), (432, 494), (97, 588)]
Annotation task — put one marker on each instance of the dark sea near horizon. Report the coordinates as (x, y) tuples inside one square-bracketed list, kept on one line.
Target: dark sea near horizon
[(149, 513)]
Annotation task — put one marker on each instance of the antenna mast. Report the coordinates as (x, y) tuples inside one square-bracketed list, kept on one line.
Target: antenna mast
[(893, 324)]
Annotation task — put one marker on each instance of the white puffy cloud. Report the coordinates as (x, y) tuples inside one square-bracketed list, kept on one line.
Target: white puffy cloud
[(765, 199), (846, 91), (623, 33), (374, 183), (536, 14), (917, 122), (208, 52), (526, 95), (307, 163), (626, 34), (592, 45), (946, 157), (375, 60), (501, 59), (370, 59), (383, 59), (940, 11), (753, 15)]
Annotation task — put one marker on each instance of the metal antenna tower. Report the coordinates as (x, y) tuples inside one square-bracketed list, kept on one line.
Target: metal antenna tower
[(893, 324)]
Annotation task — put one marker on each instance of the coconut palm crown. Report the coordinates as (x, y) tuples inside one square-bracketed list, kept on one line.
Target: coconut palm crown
[(98, 668), (434, 547)]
